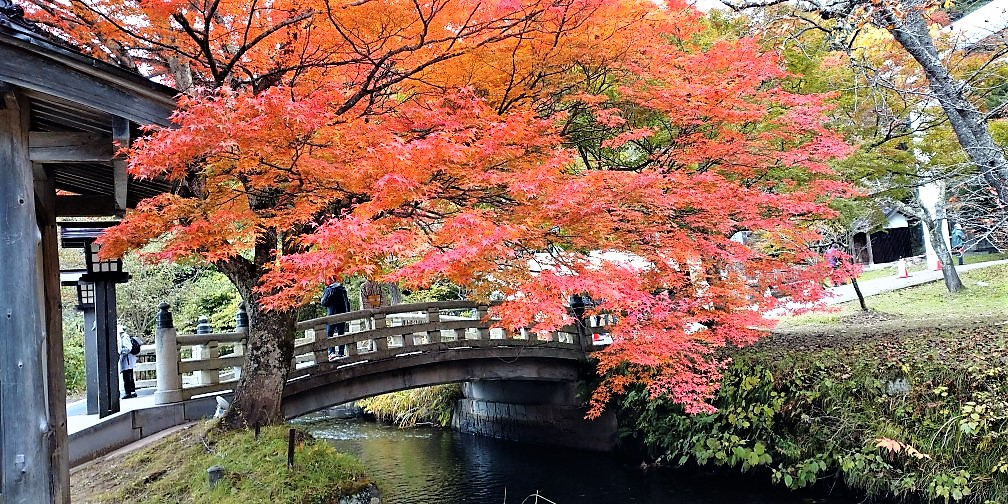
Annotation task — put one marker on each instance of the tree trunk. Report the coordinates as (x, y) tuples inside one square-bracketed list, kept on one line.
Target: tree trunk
[(871, 256), (270, 349), (911, 32), (952, 281), (860, 296)]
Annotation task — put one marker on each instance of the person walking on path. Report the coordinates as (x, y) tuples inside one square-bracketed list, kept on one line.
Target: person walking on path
[(958, 242), (335, 300), (127, 361)]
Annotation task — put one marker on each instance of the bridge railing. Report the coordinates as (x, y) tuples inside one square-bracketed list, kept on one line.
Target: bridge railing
[(215, 359), (405, 329), (214, 363)]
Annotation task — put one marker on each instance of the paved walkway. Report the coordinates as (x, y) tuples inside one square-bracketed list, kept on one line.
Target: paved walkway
[(78, 419), (845, 293)]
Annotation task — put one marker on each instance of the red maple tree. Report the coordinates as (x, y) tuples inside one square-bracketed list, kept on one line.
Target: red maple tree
[(523, 149)]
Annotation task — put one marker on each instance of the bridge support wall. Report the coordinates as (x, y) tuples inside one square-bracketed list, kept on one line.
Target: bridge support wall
[(532, 412)]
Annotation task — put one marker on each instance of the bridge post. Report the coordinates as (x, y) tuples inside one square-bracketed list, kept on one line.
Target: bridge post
[(241, 326), (433, 317), (320, 354), (378, 322), (169, 379), (482, 311), (208, 351)]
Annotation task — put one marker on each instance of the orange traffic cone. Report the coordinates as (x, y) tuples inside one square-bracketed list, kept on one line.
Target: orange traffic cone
[(901, 269), (938, 267)]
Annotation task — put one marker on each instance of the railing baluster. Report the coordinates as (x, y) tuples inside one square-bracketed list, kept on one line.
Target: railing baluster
[(434, 317), (321, 353), (482, 311), (241, 326), (209, 351), (380, 345)]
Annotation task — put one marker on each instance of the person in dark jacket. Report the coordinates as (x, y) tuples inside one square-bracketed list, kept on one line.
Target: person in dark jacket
[(958, 242), (335, 300)]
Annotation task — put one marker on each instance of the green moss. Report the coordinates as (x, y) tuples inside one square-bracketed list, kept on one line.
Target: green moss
[(174, 470)]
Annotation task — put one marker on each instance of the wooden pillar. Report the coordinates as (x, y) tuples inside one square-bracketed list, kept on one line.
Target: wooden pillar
[(91, 358), (108, 347), (434, 316), (25, 449), (45, 193)]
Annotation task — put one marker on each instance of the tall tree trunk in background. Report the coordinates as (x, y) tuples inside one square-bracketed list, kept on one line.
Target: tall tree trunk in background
[(871, 255), (911, 31), (934, 234), (952, 281), (938, 243)]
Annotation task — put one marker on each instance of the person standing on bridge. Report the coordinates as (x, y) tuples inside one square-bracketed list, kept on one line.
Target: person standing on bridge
[(127, 361), (335, 300)]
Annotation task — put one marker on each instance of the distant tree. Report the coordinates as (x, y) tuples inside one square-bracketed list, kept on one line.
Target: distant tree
[(909, 22)]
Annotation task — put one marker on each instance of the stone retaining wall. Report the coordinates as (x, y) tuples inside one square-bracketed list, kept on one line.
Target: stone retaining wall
[(557, 425)]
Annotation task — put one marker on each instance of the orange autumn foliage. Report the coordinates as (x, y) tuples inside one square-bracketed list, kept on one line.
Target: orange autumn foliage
[(526, 150)]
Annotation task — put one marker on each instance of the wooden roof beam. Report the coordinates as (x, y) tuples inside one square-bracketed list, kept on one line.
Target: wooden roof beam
[(83, 206), (69, 147)]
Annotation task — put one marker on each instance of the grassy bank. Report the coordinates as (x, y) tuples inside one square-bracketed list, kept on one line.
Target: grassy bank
[(419, 406), (173, 469), (907, 401)]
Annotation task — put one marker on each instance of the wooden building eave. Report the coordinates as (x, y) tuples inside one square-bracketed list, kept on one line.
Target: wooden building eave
[(47, 69)]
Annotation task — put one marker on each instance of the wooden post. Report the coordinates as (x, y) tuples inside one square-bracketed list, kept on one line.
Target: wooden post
[(321, 354), (90, 357), (25, 452), (55, 375), (378, 322), (482, 312), (577, 310), (434, 316), (108, 347), (169, 379), (381, 344)]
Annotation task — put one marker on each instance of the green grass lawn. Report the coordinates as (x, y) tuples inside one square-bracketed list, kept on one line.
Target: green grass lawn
[(986, 294), (174, 470)]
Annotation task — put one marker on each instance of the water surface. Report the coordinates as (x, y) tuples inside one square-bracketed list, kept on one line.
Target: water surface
[(433, 466)]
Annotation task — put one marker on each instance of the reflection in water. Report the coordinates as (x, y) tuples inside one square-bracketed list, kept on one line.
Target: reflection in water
[(427, 466)]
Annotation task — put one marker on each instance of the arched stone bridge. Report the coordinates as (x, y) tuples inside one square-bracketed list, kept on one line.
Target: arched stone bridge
[(387, 349)]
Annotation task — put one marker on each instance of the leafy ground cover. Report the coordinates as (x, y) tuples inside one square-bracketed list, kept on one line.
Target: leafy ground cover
[(173, 469), (908, 400)]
